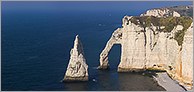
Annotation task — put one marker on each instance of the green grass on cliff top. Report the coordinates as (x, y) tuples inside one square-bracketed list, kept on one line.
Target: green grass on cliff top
[(169, 23)]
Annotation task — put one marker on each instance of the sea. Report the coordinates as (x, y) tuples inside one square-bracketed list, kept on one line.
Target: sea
[(37, 36)]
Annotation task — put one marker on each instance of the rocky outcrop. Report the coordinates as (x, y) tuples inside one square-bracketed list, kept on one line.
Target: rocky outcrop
[(161, 13), (115, 39), (77, 69), (149, 44)]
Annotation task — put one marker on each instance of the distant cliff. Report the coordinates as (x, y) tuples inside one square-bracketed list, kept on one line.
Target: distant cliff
[(175, 11), (156, 40), (183, 10)]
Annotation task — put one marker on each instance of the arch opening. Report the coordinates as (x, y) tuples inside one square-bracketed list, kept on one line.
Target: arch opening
[(115, 56), (116, 38)]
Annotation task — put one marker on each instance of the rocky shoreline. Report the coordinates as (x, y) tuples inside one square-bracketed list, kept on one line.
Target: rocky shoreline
[(169, 84), (75, 79)]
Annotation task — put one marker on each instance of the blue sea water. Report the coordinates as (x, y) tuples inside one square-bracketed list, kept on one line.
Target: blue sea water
[(37, 38)]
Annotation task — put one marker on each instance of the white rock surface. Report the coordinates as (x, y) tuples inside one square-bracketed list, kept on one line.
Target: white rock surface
[(133, 49), (175, 29), (145, 48), (77, 68), (187, 57), (115, 39), (161, 13)]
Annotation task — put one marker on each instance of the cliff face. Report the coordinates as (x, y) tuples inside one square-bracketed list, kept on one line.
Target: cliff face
[(155, 43), (187, 56)]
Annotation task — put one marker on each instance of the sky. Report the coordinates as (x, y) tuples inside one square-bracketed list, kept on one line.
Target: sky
[(125, 7), (83, 5)]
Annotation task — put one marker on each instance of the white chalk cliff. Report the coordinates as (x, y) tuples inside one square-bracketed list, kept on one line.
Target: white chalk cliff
[(146, 47), (77, 69), (161, 13)]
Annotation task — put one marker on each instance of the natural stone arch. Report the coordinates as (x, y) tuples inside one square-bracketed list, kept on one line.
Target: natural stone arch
[(115, 39)]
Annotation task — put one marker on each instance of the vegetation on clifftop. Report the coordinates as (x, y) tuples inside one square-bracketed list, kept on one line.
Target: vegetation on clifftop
[(169, 23)]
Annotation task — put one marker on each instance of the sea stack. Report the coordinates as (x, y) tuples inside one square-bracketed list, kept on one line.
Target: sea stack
[(77, 69)]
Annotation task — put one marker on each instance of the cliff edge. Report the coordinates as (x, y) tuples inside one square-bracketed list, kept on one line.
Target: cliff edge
[(153, 42)]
